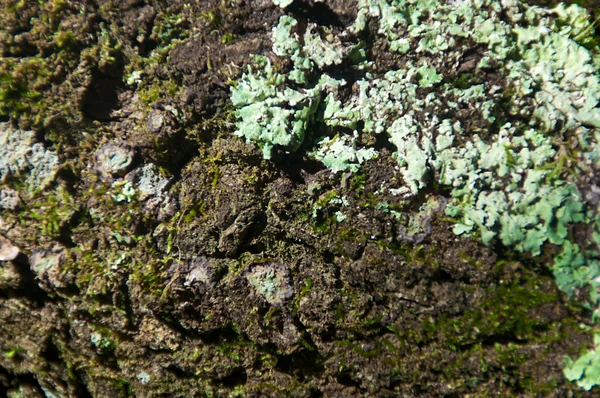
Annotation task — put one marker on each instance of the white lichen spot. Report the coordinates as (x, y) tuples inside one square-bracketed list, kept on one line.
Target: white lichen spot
[(22, 156), (271, 282), (143, 378), (8, 251), (9, 199), (113, 160)]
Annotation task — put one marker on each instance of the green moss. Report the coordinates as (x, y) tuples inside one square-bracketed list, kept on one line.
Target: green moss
[(195, 211), (13, 353), (155, 90), (35, 89), (212, 18), (306, 288), (506, 317), (227, 38), (51, 213), (150, 276), (21, 85), (374, 353), (168, 29), (504, 314)]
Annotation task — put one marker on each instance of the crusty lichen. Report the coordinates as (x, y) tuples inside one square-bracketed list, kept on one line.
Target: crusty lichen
[(22, 157)]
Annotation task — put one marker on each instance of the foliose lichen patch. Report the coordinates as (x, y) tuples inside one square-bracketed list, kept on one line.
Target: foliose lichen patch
[(512, 178)]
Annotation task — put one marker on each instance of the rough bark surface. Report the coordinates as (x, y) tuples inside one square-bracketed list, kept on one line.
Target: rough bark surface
[(228, 275)]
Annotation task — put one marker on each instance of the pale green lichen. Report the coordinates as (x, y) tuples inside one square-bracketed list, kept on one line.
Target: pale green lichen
[(113, 160), (123, 192), (499, 191), (271, 282), (477, 170), (9, 199), (148, 181), (271, 115), (143, 378), (429, 76), (21, 155), (270, 112), (102, 342), (507, 174), (282, 3), (574, 270), (586, 369), (341, 153)]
